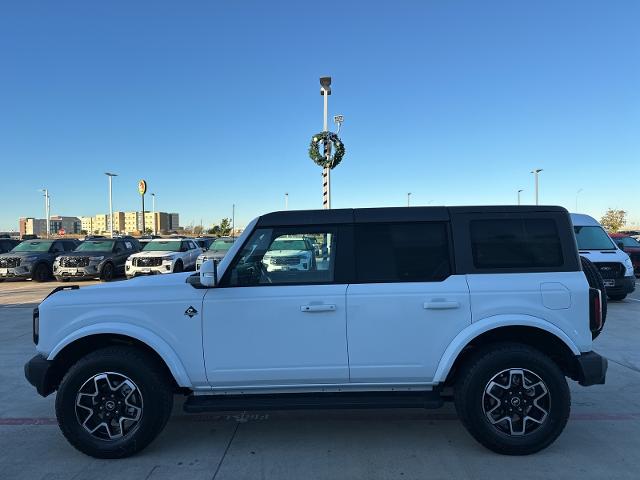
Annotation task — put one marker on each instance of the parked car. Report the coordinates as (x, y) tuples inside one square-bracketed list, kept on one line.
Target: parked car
[(33, 259), (613, 264), (8, 244), (290, 253), (217, 250), (163, 255), (102, 258), (489, 303), (631, 247), (204, 242)]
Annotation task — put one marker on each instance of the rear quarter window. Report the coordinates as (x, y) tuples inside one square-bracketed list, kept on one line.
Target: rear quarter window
[(515, 243)]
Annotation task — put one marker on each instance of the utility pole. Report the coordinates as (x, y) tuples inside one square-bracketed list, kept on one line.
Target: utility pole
[(233, 221), (110, 175), (577, 193), (535, 173), (325, 91), (153, 201), (286, 201), (408, 199), (519, 192), (47, 206)]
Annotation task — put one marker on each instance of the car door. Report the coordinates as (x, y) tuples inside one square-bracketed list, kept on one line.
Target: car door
[(405, 306), (277, 328), (120, 255), (56, 249), (194, 251)]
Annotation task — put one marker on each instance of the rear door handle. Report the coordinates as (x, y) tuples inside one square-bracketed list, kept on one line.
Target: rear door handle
[(441, 304), (318, 308)]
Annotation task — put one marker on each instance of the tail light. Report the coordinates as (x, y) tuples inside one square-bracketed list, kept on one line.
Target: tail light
[(36, 325), (595, 310)]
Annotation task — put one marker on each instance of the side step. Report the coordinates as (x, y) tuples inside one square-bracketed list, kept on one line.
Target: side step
[(295, 401)]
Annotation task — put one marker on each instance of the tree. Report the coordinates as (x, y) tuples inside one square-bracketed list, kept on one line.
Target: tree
[(148, 231), (222, 230), (613, 220), (197, 230), (83, 232)]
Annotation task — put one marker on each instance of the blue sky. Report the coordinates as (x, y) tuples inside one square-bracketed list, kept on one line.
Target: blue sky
[(214, 103)]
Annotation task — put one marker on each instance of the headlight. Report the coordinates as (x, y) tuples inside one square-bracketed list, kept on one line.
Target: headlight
[(96, 259), (168, 259), (629, 266)]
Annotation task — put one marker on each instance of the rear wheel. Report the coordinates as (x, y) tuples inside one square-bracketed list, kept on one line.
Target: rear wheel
[(42, 272), (113, 402), (513, 399), (618, 297), (594, 279)]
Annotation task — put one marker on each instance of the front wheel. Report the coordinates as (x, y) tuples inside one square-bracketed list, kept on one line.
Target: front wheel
[(178, 267), (42, 273), (107, 272), (513, 399), (113, 402)]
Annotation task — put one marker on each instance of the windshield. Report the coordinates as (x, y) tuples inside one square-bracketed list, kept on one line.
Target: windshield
[(628, 242), (593, 238), (163, 246), (95, 246), (221, 245), (288, 245), (33, 246)]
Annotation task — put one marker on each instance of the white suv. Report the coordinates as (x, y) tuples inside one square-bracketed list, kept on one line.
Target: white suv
[(406, 307), (163, 255)]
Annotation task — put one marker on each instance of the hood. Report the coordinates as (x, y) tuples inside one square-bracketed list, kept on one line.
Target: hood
[(214, 253), (86, 253), (153, 254), (25, 254), (286, 253)]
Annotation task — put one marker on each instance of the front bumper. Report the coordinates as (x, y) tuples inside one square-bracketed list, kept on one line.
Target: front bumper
[(132, 271), (42, 374), (591, 369), (621, 286), (92, 271), (23, 271)]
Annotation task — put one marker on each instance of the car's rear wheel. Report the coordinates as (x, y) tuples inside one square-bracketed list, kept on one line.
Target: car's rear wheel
[(42, 272), (618, 297), (113, 402), (512, 398)]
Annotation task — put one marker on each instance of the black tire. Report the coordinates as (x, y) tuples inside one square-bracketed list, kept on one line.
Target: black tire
[(108, 272), (470, 398), (178, 267), (41, 273), (618, 297), (155, 401), (594, 279)]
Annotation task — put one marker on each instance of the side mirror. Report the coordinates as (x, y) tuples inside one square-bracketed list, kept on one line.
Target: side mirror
[(209, 273)]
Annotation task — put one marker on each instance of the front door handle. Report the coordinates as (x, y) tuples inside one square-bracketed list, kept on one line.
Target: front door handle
[(318, 308), (440, 304)]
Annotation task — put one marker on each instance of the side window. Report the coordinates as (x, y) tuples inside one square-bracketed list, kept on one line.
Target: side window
[(515, 243), (128, 245), (119, 247), (57, 247), (284, 256), (402, 252), (69, 246), (192, 246)]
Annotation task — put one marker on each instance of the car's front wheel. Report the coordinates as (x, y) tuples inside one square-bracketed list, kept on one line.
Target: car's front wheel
[(113, 402), (512, 398), (42, 272)]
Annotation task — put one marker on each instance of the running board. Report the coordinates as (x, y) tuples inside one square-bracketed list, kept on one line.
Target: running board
[(296, 401)]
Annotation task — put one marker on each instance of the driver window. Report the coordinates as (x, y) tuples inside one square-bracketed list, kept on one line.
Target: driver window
[(57, 247), (285, 256)]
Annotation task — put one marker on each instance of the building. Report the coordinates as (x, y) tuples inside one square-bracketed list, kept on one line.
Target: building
[(33, 226), (86, 223), (65, 225), (174, 221), (100, 224), (57, 223)]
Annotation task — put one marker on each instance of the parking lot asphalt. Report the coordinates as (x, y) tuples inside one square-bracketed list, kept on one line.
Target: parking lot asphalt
[(601, 441)]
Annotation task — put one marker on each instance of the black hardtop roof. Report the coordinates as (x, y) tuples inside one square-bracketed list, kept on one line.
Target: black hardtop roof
[(388, 214)]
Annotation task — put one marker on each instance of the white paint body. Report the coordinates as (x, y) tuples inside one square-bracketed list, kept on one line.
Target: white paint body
[(169, 260), (316, 337)]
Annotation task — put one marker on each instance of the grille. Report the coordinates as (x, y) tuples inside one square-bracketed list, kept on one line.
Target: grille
[(611, 270), (285, 260), (74, 261), (10, 262), (147, 261)]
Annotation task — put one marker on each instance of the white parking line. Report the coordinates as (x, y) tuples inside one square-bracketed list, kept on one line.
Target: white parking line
[(633, 299)]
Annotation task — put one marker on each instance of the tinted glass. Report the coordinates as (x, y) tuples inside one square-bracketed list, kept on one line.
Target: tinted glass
[(402, 252), (274, 257), (515, 243), (33, 246), (593, 238), (163, 246), (95, 246)]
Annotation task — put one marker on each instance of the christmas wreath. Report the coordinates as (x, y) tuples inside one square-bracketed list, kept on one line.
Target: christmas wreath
[(328, 139)]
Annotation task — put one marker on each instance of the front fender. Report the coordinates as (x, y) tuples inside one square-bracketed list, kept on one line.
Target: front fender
[(143, 335), (490, 323)]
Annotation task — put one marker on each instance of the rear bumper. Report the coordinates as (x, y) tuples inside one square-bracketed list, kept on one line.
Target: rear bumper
[(591, 369), (41, 373)]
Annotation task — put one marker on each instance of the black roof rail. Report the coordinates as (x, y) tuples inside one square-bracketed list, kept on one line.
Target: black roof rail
[(64, 287)]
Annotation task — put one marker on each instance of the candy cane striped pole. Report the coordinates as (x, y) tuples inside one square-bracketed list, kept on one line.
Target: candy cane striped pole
[(326, 171)]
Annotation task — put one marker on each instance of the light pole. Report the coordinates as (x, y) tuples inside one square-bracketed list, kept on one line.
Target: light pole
[(233, 221), (519, 192), (408, 199), (325, 91), (153, 203), (577, 193), (47, 206), (110, 175), (286, 201), (535, 173)]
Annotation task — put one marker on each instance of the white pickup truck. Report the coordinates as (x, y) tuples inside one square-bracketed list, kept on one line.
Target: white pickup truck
[(489, 306)]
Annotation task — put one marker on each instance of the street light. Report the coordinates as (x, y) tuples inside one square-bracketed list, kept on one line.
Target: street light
[(153, 202), (47, 206), (535, 173), (408, 199), (111, 175), (519, 192), (286, 201), (577, 193)]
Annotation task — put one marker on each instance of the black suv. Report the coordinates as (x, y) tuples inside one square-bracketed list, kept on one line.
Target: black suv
[(102, 258), (33, 259), (8, 244)]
